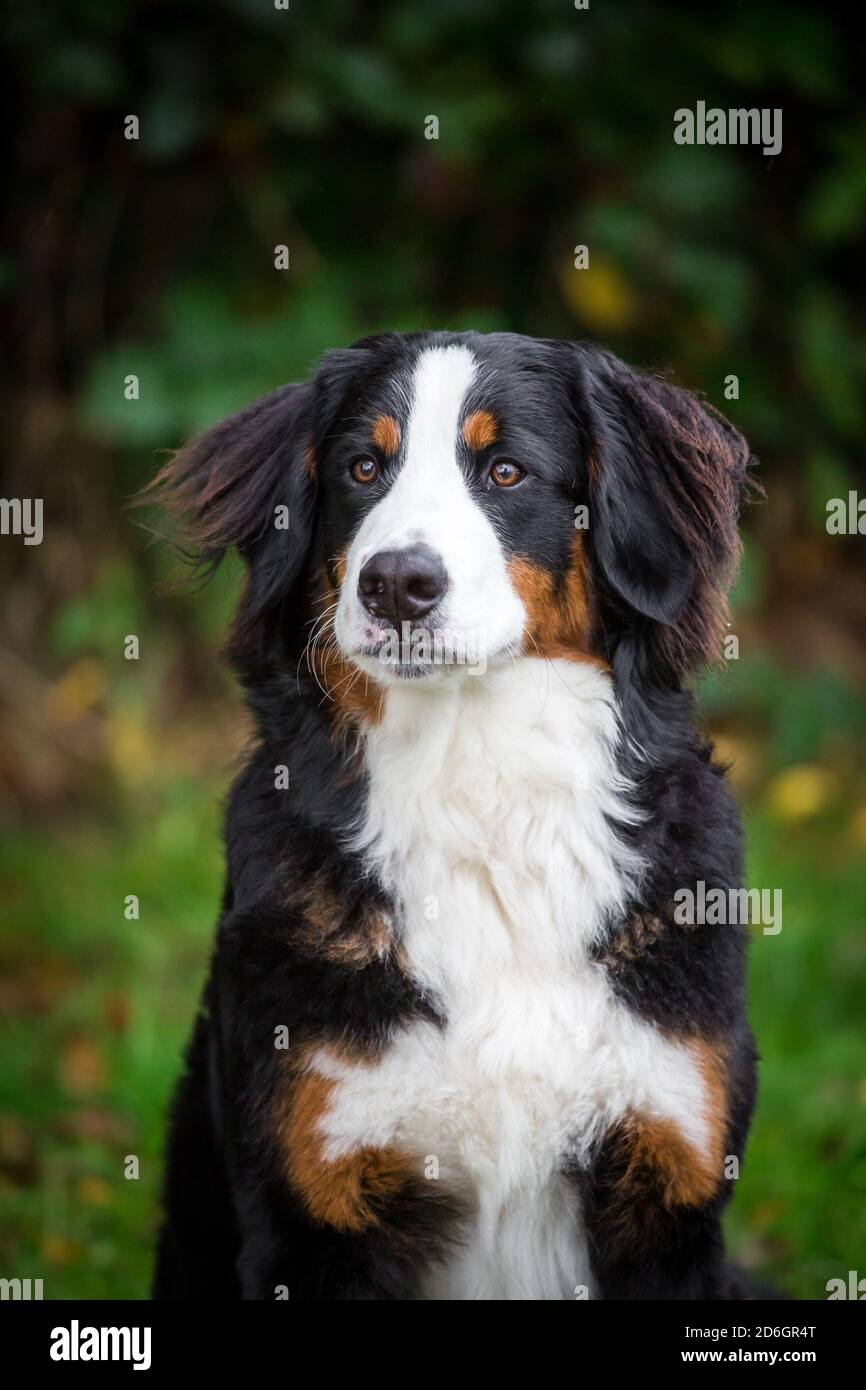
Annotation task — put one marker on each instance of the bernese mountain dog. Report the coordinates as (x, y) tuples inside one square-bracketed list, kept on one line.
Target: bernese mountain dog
[(455, 1042)]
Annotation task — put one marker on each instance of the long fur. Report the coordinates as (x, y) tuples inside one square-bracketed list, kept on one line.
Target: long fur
[(510, 1073)]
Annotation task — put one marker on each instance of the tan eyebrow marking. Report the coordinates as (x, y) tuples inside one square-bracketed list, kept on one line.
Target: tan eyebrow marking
[(386, 434), (480, 429)]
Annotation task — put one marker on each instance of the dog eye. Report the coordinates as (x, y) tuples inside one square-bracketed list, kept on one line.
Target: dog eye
[(504, 473), (364, 469)]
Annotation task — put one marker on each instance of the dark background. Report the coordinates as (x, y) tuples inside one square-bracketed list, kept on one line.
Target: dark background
[(155, 257)]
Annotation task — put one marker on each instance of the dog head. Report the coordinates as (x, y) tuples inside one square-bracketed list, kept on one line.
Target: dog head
[(429, 506)]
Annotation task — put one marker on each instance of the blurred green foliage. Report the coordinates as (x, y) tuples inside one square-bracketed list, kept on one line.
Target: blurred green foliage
[(305, 127), (262, 127), (97, 1009)]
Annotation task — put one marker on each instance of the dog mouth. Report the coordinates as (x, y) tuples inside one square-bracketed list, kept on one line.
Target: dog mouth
[(418, 653), (399, 670), (410, 654)]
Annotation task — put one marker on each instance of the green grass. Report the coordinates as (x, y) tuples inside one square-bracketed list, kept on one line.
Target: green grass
[(97, 1009), (101, 1007), (799, 1211)]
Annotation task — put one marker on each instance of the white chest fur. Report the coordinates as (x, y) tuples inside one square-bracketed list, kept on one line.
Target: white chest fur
[(489, 818)]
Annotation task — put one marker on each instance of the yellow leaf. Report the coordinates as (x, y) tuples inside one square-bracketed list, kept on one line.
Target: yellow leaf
[(93, 1192), (739, 756), (599, 296), (60, 1251), (799, 793), (78, 690), (130, 747)]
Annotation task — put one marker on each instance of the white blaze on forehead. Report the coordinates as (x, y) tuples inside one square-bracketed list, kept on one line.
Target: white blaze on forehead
[(430, 500), (441, 381)]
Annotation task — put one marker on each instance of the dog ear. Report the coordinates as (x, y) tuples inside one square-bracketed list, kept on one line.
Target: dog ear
[(222, 487), (666, 473), (248, 483)]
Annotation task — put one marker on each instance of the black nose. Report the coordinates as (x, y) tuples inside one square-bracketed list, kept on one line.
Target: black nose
[(399, 586)]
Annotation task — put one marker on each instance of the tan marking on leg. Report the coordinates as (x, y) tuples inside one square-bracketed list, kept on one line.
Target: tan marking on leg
[(654, 1164), (657, 1155), (711, 1060), (347, 1193), (386, 435), (480, 430)]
